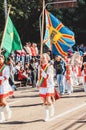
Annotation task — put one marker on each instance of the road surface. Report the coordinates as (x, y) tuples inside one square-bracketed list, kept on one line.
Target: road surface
[(28, 111)]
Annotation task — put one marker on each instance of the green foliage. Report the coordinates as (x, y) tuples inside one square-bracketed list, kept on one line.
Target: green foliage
[(25, 16)]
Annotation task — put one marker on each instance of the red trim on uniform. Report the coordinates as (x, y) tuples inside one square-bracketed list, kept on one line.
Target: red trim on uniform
[(45, 95), (42, 95), (6, 95), (50, 94)]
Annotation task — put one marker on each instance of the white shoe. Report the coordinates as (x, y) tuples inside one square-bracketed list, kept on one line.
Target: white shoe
[(46, 119), (2, 120), (69, 93)]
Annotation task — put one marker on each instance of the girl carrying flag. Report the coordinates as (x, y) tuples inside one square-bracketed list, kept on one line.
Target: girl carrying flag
[(46, 84), (5, 89)]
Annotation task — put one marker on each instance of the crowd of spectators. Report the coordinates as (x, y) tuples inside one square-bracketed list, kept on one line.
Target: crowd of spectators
[(24, 64)]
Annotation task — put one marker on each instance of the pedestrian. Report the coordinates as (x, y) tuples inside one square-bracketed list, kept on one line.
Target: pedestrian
[(5, 89), (60, 68), (46, 84)]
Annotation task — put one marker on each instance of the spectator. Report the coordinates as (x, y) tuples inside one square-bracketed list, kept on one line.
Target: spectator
[(60, 68)]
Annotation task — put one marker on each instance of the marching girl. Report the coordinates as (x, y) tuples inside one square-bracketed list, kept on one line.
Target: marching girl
[(79, 72), (46, 84), (5, 89), (84, 75), (69, 80)]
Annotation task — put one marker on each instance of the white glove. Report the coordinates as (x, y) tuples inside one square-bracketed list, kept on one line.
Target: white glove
[(44, 75)]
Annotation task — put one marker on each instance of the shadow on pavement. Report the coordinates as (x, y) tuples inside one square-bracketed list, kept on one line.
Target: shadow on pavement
[(32, 96), (68, 96), (22, 122), (30, 105)]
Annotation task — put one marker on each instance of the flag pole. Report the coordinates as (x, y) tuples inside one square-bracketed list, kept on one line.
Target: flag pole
[(42, 31), (5, 27)]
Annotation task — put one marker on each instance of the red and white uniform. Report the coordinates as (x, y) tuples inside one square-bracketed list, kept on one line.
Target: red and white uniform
[(68, 72), (33, 50), (84, 73), (79, 74), (5, 88), (69, 81), (47, 87), (74, 75), (84, 77)]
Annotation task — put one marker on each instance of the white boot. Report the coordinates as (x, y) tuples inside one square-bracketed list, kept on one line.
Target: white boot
[(85, 88), (1, 108), (52, 110), (8, 111), (46, 113), (2, 117)]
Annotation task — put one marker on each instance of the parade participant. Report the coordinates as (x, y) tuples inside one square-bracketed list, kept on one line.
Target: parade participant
[(79, 72), (68, 75), (46, 84), (5, 89), (84, 75)]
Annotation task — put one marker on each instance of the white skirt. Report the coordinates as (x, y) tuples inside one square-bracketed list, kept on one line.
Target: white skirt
[(44, 92), (5, 89)]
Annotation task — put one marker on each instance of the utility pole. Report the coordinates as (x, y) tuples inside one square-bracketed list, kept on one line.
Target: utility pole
[(5, 8), (42, 30)]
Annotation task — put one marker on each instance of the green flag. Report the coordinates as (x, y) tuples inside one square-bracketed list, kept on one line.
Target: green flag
[(11, 40)]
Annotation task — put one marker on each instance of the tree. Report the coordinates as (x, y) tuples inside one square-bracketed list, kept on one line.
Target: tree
[(25, 16)]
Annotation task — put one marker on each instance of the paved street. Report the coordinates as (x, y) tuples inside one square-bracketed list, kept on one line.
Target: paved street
[(28, 111)]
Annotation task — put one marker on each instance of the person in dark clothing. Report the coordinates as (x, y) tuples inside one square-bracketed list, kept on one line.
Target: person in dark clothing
[(33, 68), (84, 57), (84, 60), (60, 68)]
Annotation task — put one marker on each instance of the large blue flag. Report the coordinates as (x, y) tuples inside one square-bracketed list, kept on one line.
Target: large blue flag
[(57, 37)]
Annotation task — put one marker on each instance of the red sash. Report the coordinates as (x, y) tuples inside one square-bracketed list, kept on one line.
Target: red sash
[(1, 69), (41, 80)]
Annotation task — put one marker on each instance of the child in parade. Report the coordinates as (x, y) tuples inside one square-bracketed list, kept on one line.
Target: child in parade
[(84, 76), (68, 74), (46, 84), (5, 89)]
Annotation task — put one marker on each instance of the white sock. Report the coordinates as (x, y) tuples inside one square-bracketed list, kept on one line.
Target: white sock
[(2, 117), (84, 88), (8, 111), (1, 108), (51, 110), (46, 113)]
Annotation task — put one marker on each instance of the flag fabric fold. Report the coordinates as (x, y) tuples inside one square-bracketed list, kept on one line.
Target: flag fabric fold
[(58, 37), (11, 40)]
